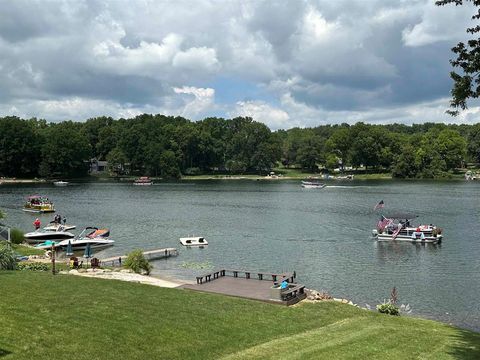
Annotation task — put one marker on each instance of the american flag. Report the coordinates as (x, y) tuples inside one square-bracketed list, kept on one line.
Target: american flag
[(397, 231), (380, 205), (383, 223)]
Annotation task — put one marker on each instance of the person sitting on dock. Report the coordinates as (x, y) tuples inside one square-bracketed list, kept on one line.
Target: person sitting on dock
[(284, 284)]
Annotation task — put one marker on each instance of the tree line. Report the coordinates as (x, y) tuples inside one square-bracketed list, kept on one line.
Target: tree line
[(169, 147)]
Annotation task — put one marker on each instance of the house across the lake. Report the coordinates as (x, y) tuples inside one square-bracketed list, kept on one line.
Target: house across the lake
[(98, 166)]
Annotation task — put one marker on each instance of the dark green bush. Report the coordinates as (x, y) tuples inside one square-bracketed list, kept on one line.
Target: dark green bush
[(16, 236), (33, 266), (137, 262)]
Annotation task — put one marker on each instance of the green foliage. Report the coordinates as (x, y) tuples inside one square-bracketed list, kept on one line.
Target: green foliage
[(33, 266), (137, 262), (7, 258), (16, 236), (167, 146), (65, 151), (388, 308)]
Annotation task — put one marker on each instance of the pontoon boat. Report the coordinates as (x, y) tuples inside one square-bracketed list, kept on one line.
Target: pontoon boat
[(38, 204), (398, 228)]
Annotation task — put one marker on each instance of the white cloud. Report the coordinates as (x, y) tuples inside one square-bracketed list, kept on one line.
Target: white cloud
[(203, 100), (447, 23), (273, 117), (318, 61)]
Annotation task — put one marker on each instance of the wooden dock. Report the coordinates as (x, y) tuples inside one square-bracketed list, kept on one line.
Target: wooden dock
[(253, 285), (149, 255)]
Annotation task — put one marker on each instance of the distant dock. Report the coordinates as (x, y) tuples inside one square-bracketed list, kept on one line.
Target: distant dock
[(149, 255)]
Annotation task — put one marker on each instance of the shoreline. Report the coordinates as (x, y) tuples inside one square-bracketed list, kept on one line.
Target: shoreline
[(332, 179)]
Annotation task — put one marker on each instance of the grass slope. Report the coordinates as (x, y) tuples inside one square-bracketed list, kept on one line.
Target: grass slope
[(57, 317)]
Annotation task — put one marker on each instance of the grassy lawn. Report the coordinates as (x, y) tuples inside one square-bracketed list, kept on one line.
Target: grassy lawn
[(26, 250), (57, 317)]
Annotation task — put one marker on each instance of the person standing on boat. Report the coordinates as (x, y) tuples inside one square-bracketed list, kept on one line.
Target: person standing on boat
[(37, 223)]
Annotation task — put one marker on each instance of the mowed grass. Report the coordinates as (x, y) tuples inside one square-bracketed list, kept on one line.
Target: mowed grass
[(56, 317)]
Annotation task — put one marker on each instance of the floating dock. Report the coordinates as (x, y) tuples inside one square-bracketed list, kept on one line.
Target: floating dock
[(149, 255)]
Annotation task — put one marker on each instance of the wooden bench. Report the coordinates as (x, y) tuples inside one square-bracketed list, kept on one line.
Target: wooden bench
[(292, 291)]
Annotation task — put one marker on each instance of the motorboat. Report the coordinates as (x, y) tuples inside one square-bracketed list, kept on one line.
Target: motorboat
[(39, 236), (97, 239), (77, 244), (55, 226), (38, 204), (60, 183), (399, 228), (142, 181), (313, 185), (94, 232), (193, 241)]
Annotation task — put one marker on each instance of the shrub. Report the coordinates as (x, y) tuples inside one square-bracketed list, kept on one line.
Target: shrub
[(16, 236), (33, 266), (7, 258), (388, 308), (137, 262)]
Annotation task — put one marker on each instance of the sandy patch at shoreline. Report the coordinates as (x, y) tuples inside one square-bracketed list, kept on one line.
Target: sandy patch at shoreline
[(126, 276)]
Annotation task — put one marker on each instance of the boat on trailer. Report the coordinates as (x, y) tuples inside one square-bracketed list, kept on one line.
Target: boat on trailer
[(399, 228)]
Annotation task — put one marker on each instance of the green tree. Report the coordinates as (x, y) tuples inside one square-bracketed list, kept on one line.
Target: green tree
[(116, 160), (19, 147), (169, 165), (65, 151), (451, 147), (466, 82)]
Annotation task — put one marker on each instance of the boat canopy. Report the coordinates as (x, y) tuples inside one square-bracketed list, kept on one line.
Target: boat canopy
[(399, 216), (31, 197)]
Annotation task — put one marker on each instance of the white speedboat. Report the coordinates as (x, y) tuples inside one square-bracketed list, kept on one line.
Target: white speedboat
[(77, 244), (97, 239), (60, 183), (313, 185), (143, 181), (193, 241), (400, 229), (39, 236), (54, 226)]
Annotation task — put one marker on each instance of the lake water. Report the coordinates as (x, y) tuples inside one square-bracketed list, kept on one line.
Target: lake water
[(324, 235)]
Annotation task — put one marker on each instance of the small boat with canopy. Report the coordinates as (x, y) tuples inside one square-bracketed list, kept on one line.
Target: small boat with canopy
[(38, 204), (398, 227)]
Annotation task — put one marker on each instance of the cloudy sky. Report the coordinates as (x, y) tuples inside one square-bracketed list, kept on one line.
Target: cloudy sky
[(285, 63)]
